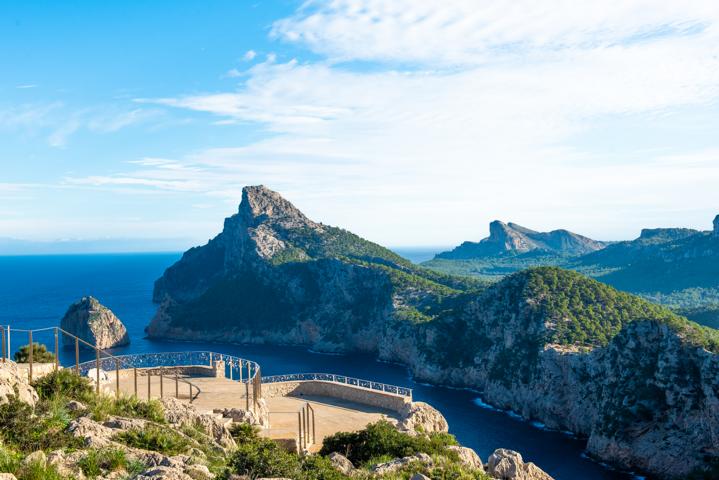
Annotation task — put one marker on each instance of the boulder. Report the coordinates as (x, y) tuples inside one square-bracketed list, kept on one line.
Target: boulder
[(7, 476), (36, 458), (508, 465), (92, 433), (419, 476), (341, 463), (14, 381), (421, 417), (468, 457), (199, 472), (179, 413), (399, 463), (91, 321)]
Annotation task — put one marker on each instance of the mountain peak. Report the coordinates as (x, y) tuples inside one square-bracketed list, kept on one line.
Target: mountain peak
[(260, 204)]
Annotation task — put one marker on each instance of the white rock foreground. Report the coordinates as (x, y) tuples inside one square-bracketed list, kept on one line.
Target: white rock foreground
[(418, 418)]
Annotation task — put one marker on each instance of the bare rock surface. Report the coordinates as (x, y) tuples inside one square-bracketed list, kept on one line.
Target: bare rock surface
[(179, 413), (91, 321), (508, 465), (422, 417), (398, 463), (341, 463), (468, 457), (11, 379)]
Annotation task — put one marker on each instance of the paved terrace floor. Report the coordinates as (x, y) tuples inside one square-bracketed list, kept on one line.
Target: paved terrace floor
[(331, 415)]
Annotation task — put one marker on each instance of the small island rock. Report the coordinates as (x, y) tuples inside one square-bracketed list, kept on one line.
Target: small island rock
[(91, 321)]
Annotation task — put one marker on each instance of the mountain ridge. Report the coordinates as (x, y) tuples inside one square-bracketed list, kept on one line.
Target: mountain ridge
[(546, 342)]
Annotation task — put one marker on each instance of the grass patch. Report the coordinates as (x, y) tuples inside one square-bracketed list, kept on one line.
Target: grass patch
[(96, 462), (63, 384), (155, 438)]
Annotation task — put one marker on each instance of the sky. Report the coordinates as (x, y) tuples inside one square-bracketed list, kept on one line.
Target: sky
[(407, 122)]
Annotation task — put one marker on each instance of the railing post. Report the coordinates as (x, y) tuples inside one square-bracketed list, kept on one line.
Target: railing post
[(97, 371), (299, 430), (249, 372), (247, 396), (230, 365), (77, 355), (177, 385), (135, 378), (240, 371), (29, 334), (57, 352), (117, 378), (304, 422), (9, 350), (162, 393), (190, 392), (4, 345), (314, 438), (211, 364)]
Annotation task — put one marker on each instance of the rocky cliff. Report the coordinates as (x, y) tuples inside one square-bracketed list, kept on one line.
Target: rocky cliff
[(93, 322), (640, 382), (513, 239)]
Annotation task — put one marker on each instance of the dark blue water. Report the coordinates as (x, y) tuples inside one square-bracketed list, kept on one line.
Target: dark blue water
[(35, 292)]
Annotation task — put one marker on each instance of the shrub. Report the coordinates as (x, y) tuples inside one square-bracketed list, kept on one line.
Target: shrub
[(22, 429), (155, 438), (244, 432), (96, 461), (63, 383), (264, 458), (9, 460), (38, 471), (130, 406), (381, 439), (39, 354)]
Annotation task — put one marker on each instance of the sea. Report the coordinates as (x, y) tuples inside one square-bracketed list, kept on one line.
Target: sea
[(35, 292)]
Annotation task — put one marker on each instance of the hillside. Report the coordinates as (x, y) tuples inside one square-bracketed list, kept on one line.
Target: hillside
[(273, 272), (678, 267), (641, 382)]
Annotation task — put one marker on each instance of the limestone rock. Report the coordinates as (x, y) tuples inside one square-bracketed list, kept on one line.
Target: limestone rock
[(238, 415), (419, 476), (12, 379), (163, 473), (91, 321), (508, 465), (422, 417), (199, 472), (179, 413), (66, 464), (7, 476), (341, 463), (399, 463), (468, 457), (92, 433), (34, 458)]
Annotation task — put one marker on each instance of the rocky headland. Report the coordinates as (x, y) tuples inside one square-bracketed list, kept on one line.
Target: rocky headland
[(640, 382), (93, 322)]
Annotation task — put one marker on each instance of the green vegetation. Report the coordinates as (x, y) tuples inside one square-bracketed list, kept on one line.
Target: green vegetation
[(155, 438), (63, 384), (96, 462), (39, 354), (382, 440)]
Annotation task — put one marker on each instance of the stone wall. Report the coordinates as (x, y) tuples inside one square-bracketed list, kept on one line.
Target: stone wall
[(350, 393)]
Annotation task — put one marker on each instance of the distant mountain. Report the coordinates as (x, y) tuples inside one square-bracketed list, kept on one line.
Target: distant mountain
[(14, 246), (674, 266), (513, 239)]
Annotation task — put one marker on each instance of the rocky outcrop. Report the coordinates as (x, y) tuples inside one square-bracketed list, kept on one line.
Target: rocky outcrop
[(399, 463), (716, 226), (468, 457), (513, 239), (421, 417), (179, 413), (508, 465), (341, 463), (91, 321), (14, 381)]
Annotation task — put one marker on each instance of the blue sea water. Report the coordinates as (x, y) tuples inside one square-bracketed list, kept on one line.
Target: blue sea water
[(35, 292)]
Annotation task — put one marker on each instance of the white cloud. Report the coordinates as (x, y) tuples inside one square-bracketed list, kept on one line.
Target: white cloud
[(249, 55), (472, 113)]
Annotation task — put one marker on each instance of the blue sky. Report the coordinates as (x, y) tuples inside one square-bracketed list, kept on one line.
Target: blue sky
[(410, 123)]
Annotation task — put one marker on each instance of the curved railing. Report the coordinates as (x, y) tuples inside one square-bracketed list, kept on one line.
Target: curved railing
[(331, 377), (235, 368)]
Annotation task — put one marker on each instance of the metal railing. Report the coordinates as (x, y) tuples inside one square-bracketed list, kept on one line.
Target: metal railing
[(331, 377), (306, 429)]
